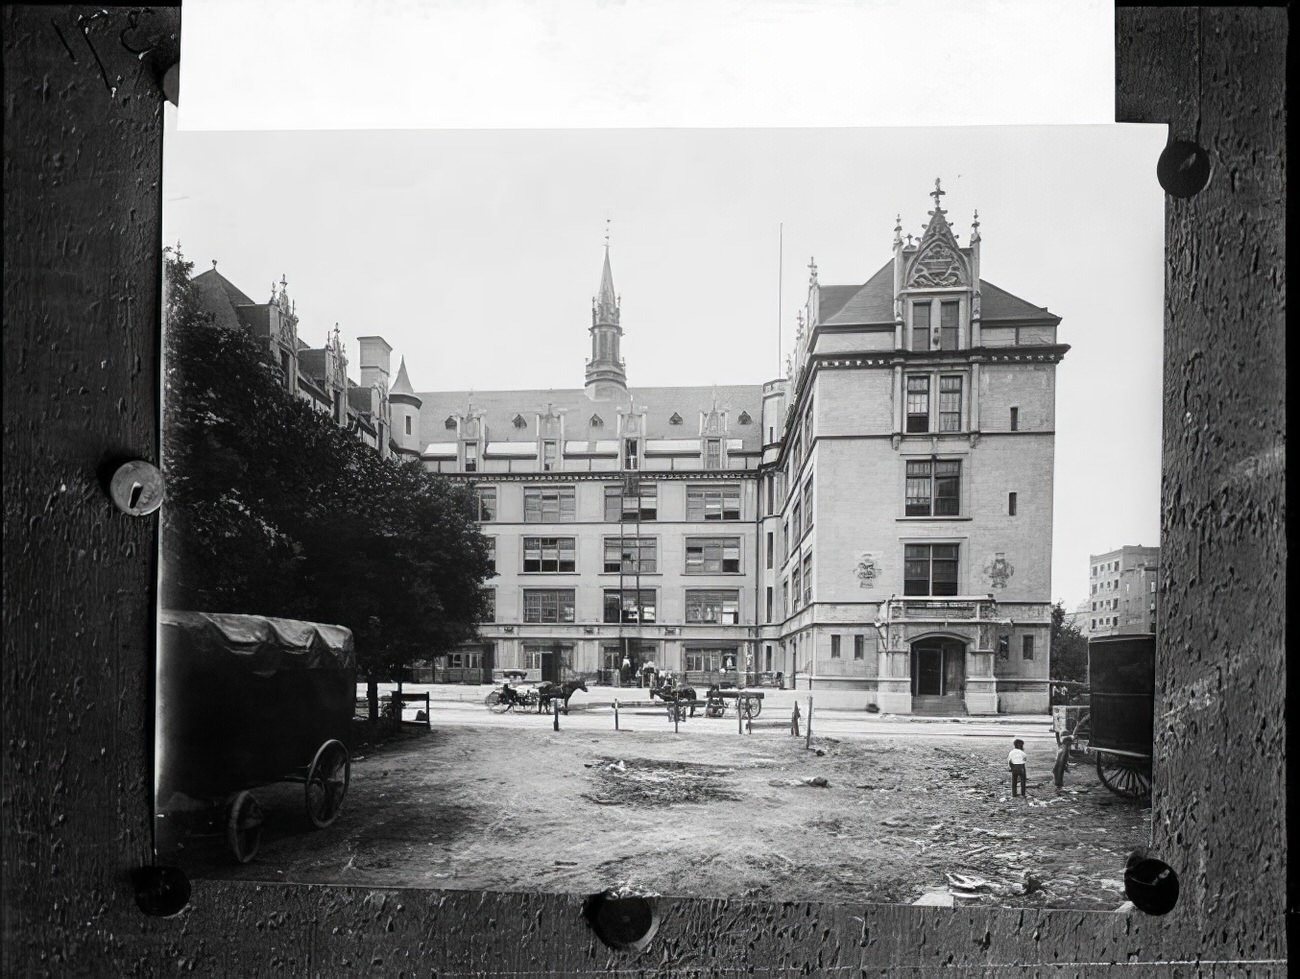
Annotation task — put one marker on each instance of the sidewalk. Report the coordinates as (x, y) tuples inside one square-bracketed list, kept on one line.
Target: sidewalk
[(774, 701)]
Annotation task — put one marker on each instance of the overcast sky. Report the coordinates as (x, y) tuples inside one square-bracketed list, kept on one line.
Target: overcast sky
[(476, 254)]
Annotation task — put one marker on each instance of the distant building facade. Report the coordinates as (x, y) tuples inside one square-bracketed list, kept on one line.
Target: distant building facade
[(1122, 591), (876, 524)]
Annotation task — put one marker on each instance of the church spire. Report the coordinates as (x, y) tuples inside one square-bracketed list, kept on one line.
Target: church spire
[(606, 377)]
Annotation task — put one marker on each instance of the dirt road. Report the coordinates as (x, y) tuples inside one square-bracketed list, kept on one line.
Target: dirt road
[(575, 810)]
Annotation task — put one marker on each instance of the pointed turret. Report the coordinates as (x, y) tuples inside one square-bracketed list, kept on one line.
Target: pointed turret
[(606, 376), (405, 405)]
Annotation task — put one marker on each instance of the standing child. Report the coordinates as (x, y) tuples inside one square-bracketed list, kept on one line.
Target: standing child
[(1016, 759)]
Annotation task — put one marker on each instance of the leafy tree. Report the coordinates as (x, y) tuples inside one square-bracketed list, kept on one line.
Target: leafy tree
[(274, 509), (1069, 648)]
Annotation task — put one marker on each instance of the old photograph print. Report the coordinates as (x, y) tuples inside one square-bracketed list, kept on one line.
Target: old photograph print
[(767, 514)]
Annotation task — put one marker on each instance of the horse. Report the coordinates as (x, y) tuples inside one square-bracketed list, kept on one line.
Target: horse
[(669, 691), (549, 691)]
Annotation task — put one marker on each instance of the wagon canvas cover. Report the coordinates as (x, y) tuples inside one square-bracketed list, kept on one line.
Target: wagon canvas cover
[(247, 699)]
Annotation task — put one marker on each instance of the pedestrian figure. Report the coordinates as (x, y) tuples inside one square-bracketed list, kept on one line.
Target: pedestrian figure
[(794, 720), (625, 671), (1016, 759)]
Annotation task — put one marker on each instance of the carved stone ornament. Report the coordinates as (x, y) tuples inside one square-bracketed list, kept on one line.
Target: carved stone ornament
[(998, 570), (868, 570), (630, 426), (937, 266)]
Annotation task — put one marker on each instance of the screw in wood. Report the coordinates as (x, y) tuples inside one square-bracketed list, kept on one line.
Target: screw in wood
[(137, 488)]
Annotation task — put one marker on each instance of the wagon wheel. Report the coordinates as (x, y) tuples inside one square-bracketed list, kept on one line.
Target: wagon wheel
[(493, 698), (1128, 778), (751, 707), (244, 826), (327, 783)]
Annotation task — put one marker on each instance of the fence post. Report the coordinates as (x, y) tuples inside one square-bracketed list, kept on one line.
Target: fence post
[(808, 742), (555, 707), (740, 715), (677, 717), (616, 715)]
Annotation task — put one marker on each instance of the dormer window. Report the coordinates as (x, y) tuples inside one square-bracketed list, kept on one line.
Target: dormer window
[(450, 423), (744, 418), (936, 319), (471, 457), (597, 421), (519, 421), (676, 419), (631, 453)]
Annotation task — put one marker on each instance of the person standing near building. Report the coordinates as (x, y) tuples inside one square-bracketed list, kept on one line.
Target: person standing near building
[(1016, 759)]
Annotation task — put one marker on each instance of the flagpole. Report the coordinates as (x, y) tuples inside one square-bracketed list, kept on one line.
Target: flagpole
[(780, 263)]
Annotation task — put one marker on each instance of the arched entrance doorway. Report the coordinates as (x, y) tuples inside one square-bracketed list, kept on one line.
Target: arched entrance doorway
[(938, 675)]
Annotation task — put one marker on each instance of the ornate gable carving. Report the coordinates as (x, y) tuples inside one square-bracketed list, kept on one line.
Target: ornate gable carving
[(937, 265)]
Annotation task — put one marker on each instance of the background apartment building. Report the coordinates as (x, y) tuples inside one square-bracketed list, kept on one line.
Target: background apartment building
[(1122, 591)]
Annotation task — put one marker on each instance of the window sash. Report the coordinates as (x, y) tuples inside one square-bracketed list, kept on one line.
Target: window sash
[(629, 605), (549, 554), (921, 326), (808, 504), (548, 605), (918, 403), (487, 503), (933, 488), (621, 506), (713, 503), (631, 555), (546, 505), (712, 555), (721, 607), (950, 403), (713, 454), (835, 647), (949, 325), (930, 569), (807, 578)]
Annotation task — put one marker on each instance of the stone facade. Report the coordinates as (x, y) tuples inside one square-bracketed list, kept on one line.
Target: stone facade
[(1123, 585)]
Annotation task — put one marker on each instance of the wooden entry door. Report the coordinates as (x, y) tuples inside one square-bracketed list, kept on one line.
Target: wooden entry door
[(927, 671)]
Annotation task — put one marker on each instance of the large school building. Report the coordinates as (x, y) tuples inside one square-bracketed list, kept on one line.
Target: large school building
[(876, 525)]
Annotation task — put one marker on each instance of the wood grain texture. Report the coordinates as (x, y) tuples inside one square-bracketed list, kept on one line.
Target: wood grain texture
[(80, 361)]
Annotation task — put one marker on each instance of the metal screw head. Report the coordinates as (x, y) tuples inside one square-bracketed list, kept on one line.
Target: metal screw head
[(137, 488), (1183, 169)]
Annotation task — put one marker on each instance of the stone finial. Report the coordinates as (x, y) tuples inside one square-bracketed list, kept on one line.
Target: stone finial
[(812, 271), (936, 194)]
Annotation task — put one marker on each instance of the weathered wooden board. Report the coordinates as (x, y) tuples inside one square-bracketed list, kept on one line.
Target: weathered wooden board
[(82, 168)]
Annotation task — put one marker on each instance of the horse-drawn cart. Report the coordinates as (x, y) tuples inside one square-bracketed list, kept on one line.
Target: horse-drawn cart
[(245, 701), (1121, 672), (748, 702)]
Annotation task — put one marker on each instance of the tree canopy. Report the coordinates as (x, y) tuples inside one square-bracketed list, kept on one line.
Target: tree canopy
[(273, 509), (1069, 648)]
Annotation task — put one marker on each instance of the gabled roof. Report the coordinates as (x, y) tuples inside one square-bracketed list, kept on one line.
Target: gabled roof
[(873, 303), (220, 297)]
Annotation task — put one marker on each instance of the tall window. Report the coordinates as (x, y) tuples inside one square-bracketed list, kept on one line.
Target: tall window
[(471, 457), (548, 456), (797, 516), (1011, 505), (859, 648), (549, 504), (807, 578), (713, 453), (921, 326), (796, 586), (808, 504), (490, 613), (713, 503), (712, 555), (631, 503), (930, 569), (629, 605), (918, 403), (549, 554), (718, 606), (933, 488), (835, 647), (769, 604), (548, 605), (1015, 427), (950, 403), (948, 327), (1027, 647), (631, 555), (492, 553), (631, 453), (808, 426), (486, 498), (785, 596), (408, 424), (771, 548)]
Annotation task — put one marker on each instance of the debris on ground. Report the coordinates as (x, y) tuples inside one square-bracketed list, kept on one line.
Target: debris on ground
[(649, 782)]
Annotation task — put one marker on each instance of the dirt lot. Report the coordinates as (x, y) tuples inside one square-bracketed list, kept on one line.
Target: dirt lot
[(577, 811)]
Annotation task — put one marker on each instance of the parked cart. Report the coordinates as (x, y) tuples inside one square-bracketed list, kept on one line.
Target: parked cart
[(1121, 671), (246, 701), (748, 702)]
